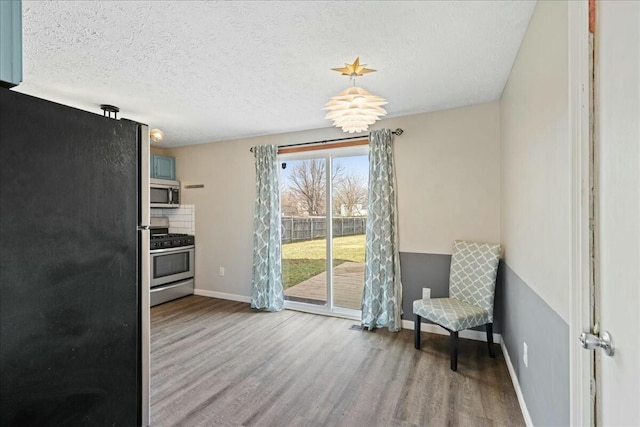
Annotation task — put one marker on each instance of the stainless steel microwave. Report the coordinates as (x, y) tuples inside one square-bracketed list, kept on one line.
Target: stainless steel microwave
[(164, 193)]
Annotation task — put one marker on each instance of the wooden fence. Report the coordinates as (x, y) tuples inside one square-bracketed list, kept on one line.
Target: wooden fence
[(299, 228)]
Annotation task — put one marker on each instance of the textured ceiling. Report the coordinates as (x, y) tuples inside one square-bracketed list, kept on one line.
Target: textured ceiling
[(212, 71)]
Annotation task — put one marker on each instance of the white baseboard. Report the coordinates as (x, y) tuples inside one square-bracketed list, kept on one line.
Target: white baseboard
[(467, 334), (221, 295), (516, 385)]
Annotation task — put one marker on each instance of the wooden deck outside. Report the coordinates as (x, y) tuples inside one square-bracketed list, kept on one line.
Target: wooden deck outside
[(348, 282)]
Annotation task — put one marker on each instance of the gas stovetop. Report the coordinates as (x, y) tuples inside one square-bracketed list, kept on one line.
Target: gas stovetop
[(160, 239)]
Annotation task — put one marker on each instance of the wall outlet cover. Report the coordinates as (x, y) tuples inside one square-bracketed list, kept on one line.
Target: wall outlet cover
[(221, 271), (426, 293), (525, 355)]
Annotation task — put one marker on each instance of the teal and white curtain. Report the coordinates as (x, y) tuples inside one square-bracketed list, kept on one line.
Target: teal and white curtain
[(266, 286), (382, 294)]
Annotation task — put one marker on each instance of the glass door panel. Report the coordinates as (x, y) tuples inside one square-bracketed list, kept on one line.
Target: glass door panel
[(350, 178), (304, 230), (323, 216)]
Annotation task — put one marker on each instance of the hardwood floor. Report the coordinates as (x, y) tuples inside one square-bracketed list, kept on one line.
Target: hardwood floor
[(219, 363)]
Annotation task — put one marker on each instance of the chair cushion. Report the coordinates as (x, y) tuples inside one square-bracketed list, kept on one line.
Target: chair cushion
[(451, 313)]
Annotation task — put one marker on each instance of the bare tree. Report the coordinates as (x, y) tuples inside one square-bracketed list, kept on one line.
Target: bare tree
[(307, 185), (289, 204), (350, 196)]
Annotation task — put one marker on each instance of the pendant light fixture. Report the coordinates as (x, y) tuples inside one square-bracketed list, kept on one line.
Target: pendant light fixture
[(354, 109)]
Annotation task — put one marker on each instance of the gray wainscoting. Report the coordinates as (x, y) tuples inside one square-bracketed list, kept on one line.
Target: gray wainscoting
[(545, 382), (432, 271)]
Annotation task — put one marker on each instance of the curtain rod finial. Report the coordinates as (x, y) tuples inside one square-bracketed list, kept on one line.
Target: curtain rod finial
[(398, 131)]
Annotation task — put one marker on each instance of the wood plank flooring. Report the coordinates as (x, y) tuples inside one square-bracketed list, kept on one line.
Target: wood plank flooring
[(219, 363)]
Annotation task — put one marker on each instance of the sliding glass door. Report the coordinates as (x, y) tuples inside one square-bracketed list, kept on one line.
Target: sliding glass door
[(304, 230), (349, 217), (323, 213)]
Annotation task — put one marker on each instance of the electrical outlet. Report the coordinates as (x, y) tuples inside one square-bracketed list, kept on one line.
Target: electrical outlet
[(525, 355), (221, 271), (426, 293)]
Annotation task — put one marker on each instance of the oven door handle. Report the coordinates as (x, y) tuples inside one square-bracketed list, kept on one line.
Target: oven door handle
[(160, 288), (169, 250)]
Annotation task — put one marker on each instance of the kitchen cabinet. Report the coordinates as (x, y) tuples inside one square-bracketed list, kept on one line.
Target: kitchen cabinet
[(163, 167), (10, 43)]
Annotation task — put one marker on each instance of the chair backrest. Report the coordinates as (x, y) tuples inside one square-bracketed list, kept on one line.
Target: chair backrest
[(472, 279)]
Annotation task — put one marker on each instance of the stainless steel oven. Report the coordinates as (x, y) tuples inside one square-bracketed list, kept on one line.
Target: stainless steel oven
[(171, 265), (172, 272), (172, 262)]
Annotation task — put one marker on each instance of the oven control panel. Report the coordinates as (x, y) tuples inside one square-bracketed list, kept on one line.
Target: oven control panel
[(165, 241)]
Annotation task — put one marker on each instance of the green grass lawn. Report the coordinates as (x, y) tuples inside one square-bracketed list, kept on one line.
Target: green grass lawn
[(303, 260)]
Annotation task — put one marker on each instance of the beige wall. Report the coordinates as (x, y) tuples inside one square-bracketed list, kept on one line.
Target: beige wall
[(158, 150), (448, 187), (535, 159), (448, 173)]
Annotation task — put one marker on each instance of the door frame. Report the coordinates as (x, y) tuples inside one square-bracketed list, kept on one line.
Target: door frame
[(580, 361), (329, 155)]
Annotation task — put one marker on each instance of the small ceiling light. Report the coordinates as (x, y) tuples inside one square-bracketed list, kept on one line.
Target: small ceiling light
[(354, 109), (156, 135)]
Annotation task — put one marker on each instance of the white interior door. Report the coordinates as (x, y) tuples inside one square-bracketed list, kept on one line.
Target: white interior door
[(618, 34)]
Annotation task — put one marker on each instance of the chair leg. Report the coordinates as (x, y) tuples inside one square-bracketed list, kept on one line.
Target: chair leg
[(453, 341), (490, 340), (416, 332)]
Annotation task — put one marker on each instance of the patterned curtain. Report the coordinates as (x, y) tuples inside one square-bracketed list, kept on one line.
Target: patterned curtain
[(266, 286), (382, 294)]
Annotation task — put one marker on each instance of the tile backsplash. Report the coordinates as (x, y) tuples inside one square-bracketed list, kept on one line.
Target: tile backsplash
[(181, 220)]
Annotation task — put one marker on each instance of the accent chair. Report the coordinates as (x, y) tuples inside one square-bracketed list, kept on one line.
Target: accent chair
[(472, 284)]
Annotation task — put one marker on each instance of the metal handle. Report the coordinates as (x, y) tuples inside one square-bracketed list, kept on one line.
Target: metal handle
[(145, 275), (171, 250), (166, 287), (590, 342)]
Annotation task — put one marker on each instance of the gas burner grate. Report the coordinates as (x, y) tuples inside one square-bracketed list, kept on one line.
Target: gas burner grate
[(168, 235)]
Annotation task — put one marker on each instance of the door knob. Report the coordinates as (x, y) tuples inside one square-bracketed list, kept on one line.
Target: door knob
[(590, 341)]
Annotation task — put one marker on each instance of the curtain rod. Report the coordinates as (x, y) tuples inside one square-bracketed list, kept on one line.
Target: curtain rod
[(397, 132)]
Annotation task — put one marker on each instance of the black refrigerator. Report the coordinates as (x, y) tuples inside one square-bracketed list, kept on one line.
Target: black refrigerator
[(74, 266)]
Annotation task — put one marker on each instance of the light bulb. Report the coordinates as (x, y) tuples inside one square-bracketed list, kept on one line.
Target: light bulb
[(156, 135)]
